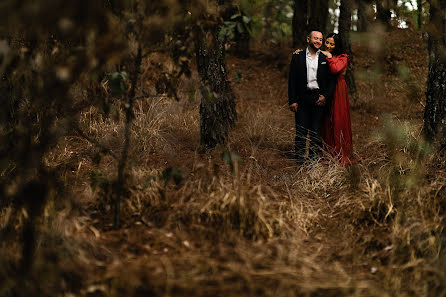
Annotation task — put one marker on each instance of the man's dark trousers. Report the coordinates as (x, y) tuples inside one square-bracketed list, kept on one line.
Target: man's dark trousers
[(308, 118)]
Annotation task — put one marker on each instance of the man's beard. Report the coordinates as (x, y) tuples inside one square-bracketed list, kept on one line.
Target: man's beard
[(314, 47)]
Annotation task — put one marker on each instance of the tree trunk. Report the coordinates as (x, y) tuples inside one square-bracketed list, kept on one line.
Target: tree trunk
[(318, 15), (217, 108), (365, 15), (383, 14), (419, 13), (435, 110), (300, 22), (345, 22)]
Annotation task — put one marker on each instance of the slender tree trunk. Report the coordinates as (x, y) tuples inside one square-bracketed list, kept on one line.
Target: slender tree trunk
[(419, 13), (324, 13), (345, 22), (318, 15), (365, 15), (121, 182), (217, 108), (300, 22), (435, 110), (383, 14)]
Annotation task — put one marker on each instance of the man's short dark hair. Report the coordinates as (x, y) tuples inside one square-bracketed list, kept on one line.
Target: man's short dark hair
[(314, 30)]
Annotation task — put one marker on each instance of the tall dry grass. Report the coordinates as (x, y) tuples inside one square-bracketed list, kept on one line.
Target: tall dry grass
[(372, 229), (266, 227)]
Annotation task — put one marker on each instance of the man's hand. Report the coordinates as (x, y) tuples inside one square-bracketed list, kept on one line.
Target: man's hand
[(293, 107), (321, 101)]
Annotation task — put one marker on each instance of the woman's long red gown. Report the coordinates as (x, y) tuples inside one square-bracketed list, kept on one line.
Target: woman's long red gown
[(336, 129)]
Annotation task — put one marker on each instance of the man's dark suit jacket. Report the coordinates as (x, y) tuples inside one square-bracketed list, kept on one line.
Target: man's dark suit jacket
[(297, 82)]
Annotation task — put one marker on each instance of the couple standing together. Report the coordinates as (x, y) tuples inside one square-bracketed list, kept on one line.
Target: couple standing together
[(317, 94)]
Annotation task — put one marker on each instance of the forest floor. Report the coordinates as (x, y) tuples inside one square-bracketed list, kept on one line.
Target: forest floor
[(265, 227)]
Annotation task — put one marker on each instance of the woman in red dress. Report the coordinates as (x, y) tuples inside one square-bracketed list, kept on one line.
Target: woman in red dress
[(336, 129)]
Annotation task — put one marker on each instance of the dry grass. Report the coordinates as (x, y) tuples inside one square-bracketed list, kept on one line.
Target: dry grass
[(265, 128), (264, 228), (218, 233)]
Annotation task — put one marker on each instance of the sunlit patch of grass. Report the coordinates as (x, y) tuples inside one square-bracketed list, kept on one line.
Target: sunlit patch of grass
[(147, 131)]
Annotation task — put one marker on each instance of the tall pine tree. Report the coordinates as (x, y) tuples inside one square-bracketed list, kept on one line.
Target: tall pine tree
[(300, 22), (435, 110), (217, 108)]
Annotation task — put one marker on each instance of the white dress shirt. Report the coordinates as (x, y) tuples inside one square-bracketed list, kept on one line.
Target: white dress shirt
[(312, 65)]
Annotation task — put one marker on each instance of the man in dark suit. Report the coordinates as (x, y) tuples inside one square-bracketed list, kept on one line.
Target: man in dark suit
[(310, 87)]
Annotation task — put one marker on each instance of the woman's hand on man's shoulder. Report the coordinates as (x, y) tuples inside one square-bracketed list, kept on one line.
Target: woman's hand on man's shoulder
[(297, 51), (327, 53)]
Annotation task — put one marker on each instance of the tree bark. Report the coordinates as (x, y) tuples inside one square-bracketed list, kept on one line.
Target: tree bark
[(435, 110), (365, 15), (419, 13), (383, 14), (300, 22), (318, 15), (217, 108), (345, 22)]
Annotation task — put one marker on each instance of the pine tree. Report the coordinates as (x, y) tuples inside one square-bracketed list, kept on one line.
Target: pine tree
[(345, 22), (217, 108), (435, 110)]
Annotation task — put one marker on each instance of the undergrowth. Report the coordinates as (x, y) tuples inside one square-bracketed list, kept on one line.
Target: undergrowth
[(196, 224)]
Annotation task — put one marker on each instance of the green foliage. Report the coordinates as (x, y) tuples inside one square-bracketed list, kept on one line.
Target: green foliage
[(238, 24), (275, 23), (408, 13), (268, 21)]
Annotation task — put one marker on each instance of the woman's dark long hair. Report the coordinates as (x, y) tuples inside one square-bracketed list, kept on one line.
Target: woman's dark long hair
[(338, 44)]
